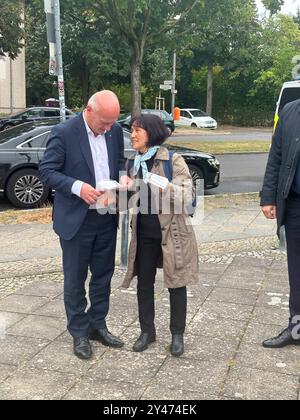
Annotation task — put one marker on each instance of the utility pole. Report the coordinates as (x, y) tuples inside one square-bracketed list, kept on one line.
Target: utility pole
[(174, 91), (52, 10)]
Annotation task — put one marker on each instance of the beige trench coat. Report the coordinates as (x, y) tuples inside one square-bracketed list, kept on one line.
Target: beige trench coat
[(179, 260)]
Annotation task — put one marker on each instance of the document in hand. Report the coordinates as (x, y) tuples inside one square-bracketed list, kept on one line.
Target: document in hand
[(108, 185), (157, 180)]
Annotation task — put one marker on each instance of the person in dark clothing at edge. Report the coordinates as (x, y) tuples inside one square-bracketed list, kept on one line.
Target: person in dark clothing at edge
[(280, 198)]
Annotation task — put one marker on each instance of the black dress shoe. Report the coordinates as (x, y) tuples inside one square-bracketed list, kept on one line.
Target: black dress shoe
[(82, 348), (143, 341), (177, 346), (285, 338), (106, 338)]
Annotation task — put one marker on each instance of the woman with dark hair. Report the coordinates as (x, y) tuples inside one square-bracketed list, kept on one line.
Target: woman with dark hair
[(160, 238)]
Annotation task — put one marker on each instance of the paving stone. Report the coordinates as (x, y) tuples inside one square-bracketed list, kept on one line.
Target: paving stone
[(155, 392), (22, 304), (58, 356), (257, 333), (6, 371), (15, 350), (45, 289), (184, 374), (230, 312), (279, 361), (7, 319), (225, 310), (225, 329), (254, 384), (39, 327), (271, 316), (125, 366), (89, 389), (53, 308), (239, 296), (273, 300), (33, 384)]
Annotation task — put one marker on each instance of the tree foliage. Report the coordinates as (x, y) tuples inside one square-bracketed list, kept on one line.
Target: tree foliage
[(106, 43), (11, 32), (273, 6)]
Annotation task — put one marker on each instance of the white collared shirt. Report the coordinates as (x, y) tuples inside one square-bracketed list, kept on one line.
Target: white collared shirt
[(100, 159)]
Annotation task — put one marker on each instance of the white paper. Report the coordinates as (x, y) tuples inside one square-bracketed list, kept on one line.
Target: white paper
[(108, 185), (157, 180)]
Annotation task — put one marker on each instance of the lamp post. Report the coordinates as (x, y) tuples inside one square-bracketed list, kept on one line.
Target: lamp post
[(52, 10)]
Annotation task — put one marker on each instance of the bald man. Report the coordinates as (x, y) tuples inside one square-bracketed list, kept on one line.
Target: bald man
[(81, 152)]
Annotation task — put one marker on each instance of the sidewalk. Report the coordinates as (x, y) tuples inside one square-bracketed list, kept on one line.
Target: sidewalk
[(242, 298)]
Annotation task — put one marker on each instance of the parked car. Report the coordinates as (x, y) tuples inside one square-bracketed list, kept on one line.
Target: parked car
[(164, 115), (192, 117), (22, 148), (32, 114)]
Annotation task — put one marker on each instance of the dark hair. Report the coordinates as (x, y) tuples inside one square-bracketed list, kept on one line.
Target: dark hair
[(155, 127)]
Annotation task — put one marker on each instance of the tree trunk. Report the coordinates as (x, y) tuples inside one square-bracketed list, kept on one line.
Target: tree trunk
[(136, 96), (209, 102)]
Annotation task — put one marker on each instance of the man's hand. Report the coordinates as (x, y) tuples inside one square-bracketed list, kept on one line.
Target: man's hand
[(89, 194), (125, 182), (269, 212)]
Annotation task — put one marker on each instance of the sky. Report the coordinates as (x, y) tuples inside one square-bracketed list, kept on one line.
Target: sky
[(290, 6)]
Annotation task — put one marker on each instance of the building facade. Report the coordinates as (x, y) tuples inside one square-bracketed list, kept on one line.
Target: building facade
[(12, 84)]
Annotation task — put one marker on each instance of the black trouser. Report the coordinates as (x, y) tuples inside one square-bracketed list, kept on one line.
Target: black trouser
[(148, 253), (292, 227), (92, 247)]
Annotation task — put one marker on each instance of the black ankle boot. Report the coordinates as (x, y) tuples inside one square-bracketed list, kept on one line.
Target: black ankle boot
[(177, 346), (143, 341)]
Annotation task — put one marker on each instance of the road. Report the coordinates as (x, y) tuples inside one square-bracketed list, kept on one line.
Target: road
[(241, 173), (225, 135)]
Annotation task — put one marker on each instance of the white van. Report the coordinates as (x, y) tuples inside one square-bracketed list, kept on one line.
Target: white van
[(290, 92)]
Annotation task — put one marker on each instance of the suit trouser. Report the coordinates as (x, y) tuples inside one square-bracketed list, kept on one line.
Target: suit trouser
[(93, 247), (292, 227), (148, 252)]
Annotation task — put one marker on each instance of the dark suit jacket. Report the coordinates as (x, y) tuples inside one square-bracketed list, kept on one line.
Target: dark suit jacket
[(283, 160), (68, 158)]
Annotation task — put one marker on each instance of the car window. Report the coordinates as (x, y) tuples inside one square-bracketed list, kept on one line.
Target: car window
[(289, 95), (37, 142), (32, 113), (51, 113), (165, 115), (185, 114), (198, 113)]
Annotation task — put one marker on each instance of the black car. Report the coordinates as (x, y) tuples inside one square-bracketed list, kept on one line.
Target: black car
[(22, 148), (32, 114), (164, 115)]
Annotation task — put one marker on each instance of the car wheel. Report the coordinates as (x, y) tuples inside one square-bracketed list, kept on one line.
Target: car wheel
[(7, 126), (25, 190), (194, 125), (196, 173)]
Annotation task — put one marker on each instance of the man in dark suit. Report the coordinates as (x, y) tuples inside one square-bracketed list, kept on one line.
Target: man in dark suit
[(81, 152), (280, 198)]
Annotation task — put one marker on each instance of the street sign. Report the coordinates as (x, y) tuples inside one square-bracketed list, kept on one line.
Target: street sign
[(168, 82), (165, 87)]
